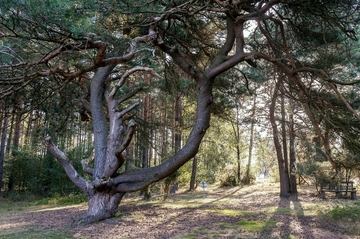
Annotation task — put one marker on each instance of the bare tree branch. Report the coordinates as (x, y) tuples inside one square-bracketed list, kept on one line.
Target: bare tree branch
[(71, 172)]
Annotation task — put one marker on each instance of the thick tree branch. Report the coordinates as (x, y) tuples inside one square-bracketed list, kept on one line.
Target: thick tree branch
[(228, 44), (99, 119), (186, 65), (128, 137), (71, 172), (135, 180), (120, 158)]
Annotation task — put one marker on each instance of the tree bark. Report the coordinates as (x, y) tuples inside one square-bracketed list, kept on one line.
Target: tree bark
[(101, 205), (284, 180), (178, 122), (247, 179), (3, 145), (293, 185), (284, 135), (236, 130), (193, 174)]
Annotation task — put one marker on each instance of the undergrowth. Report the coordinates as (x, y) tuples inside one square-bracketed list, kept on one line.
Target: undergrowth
[(346, 212), (61, 200), (347, 215)]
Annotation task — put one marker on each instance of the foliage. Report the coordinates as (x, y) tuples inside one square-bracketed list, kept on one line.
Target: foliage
[(346, 213), (37, 175), (50, 51), (248, 181), (169, 183), (227, 176), (57, 199)]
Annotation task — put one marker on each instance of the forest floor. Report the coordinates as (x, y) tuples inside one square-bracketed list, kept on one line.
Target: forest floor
[(249, 212)]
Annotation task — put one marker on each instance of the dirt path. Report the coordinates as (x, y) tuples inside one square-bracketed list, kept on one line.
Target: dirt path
[(252, 212)]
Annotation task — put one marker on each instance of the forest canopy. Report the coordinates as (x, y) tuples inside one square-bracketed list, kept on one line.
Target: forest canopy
[(124, 94)]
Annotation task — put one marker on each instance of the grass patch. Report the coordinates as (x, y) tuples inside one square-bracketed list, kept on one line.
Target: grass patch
[(231, 212), (347, 212), (61, 200), (250, 225), (285, 210), (347, 215), (257, 225), (36, 234)]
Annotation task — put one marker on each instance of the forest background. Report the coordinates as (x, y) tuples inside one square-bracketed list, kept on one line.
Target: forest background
[(284, 104)]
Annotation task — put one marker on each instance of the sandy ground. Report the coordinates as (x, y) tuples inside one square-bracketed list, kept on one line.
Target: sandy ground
[(251, 212)]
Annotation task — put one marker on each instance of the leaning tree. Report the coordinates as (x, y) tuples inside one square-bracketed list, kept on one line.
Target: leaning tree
[(94, 41)]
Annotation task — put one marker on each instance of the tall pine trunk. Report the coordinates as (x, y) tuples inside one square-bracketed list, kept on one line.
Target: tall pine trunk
[(193, 174), (247, 179), (284, 180), (284, 136), (293, 186), (3, 144)]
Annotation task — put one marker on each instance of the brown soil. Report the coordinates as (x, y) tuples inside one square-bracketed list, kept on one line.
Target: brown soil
[(251, 212)]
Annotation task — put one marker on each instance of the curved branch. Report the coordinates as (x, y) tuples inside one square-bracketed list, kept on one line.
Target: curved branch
[(119, 158), (181, 61), (128, 109), (135, 180), (133, 47), (129, 135), (71, 172), (341, 97), (133, 70)]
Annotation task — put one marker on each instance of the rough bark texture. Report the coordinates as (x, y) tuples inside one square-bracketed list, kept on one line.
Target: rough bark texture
[(101, 205)]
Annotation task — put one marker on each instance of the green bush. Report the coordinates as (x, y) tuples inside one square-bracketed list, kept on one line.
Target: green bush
[(349, 213), (227, 176)]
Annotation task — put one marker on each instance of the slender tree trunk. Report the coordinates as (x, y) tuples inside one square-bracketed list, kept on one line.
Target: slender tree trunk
[(251, 144), (236, 130), (293, 186), (3, 145), (178, 123), (284, 180), (284, 135), (11, 182), (238, 152), (145, 154), (193, 174), (17, 133), (129, 157)]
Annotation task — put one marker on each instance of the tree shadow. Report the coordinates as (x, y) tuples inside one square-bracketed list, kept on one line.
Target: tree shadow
[(287, 221)]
